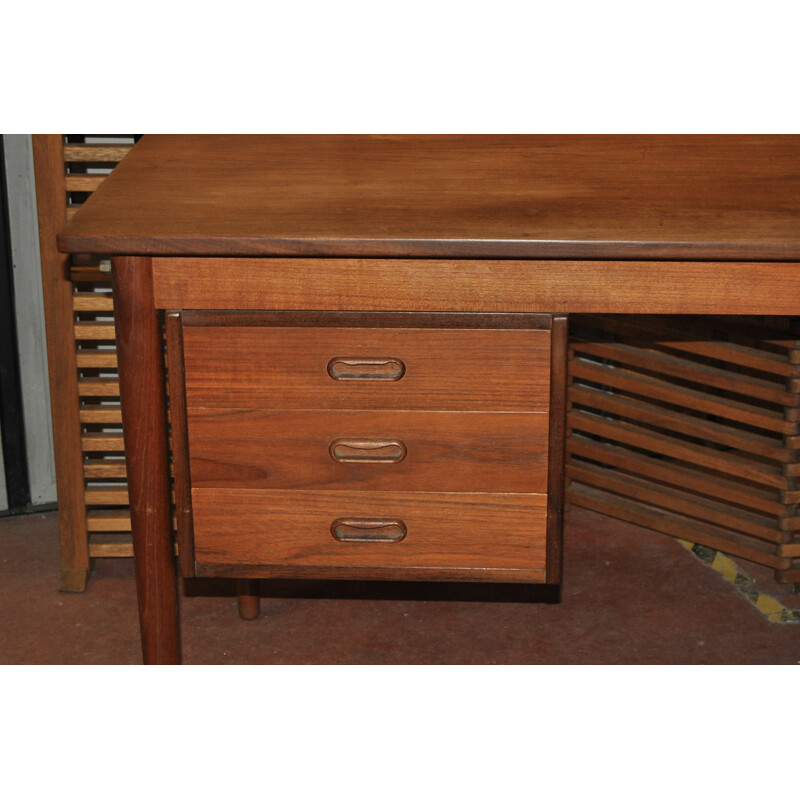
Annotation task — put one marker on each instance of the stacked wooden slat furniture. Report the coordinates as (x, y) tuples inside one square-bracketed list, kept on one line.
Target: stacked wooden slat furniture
[(94, 519), (690, 426), (94, 516)]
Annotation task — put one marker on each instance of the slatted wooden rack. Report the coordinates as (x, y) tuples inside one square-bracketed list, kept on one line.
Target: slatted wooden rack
[(87, 426), (690, 426)]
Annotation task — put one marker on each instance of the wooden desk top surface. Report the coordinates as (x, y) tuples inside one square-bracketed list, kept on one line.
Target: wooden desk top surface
[(573, 197)]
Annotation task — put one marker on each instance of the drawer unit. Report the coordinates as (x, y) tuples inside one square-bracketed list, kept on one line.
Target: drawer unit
[(411, 534), (402, 446), (374, 450), (259, 365)]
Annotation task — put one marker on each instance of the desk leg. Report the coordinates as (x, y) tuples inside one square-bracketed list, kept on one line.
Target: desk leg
[(144, 418)]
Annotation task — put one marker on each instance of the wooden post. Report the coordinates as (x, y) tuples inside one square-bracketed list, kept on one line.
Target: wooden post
[(144, 418), (62, 368)]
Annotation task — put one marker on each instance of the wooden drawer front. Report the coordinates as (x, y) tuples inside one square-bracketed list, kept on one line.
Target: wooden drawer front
[(390, 450), (444, 532), (288, 367)]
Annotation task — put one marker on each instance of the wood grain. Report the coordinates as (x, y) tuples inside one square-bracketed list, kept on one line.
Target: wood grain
[(180, 442), (592, 197), (556, 448), (62, 369), (454, 370), (642, 287), (446, 451), (673, 524), (454, 532), (144, 417)]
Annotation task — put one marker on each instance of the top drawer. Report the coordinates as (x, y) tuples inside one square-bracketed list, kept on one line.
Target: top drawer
[(253, 365)]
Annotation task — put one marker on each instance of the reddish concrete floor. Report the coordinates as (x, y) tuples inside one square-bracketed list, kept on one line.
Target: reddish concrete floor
[(630, 596)]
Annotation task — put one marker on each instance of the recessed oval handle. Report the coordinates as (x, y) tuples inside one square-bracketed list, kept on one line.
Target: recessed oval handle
[(368, 451), (368, 529), (346, 368)]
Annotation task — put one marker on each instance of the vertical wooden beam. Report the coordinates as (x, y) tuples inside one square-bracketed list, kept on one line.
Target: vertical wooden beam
[(62, 369), (144, 421)]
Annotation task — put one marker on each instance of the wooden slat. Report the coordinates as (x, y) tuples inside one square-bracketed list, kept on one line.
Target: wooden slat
[(89, 274), (687, 370), (677, 501), (108, 520), (100, 414), (699, 340), (94, 330), (675, 525), (122, 549), (106, 495), (92, 301), (766, 331), (96, 359), (737, 354), (106, 442), (791, 550), (84, 183), (96, 468), (656, 389), (98, 387), (96, 153), (104, 468), (679, 475), (676, 423), (111, 549), (726, 463)]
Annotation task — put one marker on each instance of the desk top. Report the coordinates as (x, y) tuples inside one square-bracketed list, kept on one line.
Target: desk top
[(573, 197)]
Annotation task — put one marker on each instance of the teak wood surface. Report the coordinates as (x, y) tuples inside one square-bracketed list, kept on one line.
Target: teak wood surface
[(574, 197), (453, 370), (551, 224), (447, 534)]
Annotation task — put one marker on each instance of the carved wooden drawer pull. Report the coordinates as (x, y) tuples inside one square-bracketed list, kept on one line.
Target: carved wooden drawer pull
[(366, 369), (368, 451), (368, 530)]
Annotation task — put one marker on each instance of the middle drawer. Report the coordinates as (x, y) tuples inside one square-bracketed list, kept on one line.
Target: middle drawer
[(368, 450)]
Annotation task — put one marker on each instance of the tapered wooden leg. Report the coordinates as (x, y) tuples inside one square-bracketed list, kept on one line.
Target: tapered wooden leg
[(144, 420), (247, 598)]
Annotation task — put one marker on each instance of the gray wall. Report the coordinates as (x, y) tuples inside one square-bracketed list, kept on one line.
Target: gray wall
[(30, 318)]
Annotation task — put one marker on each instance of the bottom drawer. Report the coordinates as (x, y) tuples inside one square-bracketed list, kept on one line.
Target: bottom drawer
[(414, 535)]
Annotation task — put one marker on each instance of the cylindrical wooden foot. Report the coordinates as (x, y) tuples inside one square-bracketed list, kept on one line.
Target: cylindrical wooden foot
[(247, 598)]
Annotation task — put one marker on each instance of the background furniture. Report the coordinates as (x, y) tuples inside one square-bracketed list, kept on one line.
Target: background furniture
[(94, 519)]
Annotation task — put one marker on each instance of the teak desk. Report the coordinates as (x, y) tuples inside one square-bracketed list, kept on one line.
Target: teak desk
[(366, 334)]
